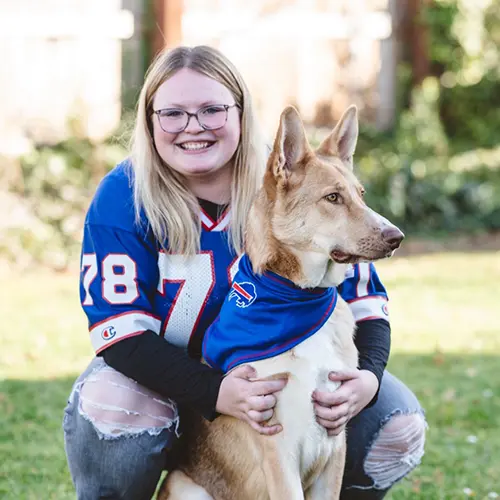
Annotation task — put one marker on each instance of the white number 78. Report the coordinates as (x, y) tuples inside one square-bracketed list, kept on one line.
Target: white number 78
[(119, 278)]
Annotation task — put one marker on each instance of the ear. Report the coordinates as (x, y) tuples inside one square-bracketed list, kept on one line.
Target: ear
[(290, 144), (342, 141)]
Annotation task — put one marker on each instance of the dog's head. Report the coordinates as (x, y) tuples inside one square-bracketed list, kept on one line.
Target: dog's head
[(312, 200)]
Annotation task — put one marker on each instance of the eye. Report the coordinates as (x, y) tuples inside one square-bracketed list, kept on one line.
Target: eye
[(171, 113), (333, 198), (213, 110), (362, 192)]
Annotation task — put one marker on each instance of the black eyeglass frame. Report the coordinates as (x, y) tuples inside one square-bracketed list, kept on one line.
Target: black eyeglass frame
[(189, 115)]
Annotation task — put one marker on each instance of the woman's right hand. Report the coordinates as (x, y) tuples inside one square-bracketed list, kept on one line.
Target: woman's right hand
[(250, 400)]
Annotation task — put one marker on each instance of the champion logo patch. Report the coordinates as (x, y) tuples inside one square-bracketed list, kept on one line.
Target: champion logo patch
[(108, 333), (385, 310), (244, 293)]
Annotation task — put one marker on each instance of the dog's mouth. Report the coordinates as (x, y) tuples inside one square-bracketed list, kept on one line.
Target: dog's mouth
[(345, 258), (350, 258)]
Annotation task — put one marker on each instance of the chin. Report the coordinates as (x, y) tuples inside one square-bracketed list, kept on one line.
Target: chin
[(201, 170)]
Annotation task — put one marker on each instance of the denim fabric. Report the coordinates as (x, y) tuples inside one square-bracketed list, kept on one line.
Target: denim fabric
[(129, 467), (394, 398), (121, 468)]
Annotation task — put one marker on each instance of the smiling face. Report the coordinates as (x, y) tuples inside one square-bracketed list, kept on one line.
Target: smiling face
[(196, 153)]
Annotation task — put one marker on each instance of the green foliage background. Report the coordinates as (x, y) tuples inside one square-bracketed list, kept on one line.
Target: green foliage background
[(436, 172)]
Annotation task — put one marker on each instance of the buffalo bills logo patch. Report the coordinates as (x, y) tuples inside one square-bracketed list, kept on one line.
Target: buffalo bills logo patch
[(108, 333), (244, 293)]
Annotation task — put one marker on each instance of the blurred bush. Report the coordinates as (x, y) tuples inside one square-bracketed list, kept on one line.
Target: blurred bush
[(464, 51), (46, 201), (412, 177), (437, 171)]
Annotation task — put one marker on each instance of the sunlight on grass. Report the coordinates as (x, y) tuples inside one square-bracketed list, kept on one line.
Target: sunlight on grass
[(446, 347), (444, 302), (45, 333)]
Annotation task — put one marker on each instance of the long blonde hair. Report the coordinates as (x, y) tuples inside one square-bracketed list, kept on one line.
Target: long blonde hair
[(171, 209)]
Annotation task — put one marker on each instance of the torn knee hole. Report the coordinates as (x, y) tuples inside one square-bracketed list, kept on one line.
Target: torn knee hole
[(398, 448), (117, 405)]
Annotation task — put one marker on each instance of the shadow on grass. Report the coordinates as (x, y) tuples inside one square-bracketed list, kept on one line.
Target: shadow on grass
[(460, 394)]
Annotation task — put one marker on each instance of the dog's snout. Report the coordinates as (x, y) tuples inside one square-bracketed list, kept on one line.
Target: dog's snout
[(393, 237)]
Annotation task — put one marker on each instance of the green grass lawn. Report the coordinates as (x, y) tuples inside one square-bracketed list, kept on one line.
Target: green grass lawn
[(446, 346)]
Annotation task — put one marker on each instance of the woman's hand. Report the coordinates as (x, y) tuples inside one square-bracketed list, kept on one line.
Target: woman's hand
[(334, 409), (249, 400)]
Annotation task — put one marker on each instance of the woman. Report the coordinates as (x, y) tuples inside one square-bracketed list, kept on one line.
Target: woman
[(161, 241)]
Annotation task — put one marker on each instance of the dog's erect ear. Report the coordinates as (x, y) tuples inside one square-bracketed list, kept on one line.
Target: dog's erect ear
[(290, 144), (342, 141)]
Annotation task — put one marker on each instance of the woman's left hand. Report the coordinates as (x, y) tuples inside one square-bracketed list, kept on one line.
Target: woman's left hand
[(334, 409)]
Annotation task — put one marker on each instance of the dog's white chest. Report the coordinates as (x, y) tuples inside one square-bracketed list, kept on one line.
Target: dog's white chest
[(309, 363)]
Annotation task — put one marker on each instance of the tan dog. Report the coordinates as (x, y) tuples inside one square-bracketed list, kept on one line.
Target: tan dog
[(307, 223)]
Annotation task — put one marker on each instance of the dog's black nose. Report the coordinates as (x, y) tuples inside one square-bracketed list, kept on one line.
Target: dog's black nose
[(393, 237)]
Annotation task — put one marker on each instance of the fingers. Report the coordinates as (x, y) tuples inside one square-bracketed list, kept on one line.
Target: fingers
[(261, 403), (264, 387), (264, 429), (335, 419), (337, 430), (261, 407), (244, 371), (335, 398), (332, 414), (345, 375), (260, 416), (333, 428)]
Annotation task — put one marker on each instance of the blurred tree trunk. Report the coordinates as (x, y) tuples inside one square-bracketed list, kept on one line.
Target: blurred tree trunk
[(417, 39), (166, 25)]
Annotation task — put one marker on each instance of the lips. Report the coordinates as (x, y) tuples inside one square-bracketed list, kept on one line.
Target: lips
[(195, 146)]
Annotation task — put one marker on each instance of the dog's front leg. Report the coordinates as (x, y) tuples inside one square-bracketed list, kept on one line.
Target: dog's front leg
[(281, 470), (329, 482)]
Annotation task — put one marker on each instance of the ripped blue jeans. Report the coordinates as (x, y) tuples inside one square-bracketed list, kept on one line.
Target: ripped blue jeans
[(118, 436)]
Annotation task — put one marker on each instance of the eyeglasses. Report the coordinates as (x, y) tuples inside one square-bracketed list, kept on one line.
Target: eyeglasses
[(175, 120)]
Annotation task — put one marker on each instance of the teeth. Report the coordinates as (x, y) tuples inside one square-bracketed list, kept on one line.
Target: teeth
[(194, 146)]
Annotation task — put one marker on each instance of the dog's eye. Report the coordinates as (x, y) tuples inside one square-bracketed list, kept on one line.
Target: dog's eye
[(333, 198)]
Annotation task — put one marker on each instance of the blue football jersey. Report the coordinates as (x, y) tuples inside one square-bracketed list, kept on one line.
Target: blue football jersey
[(129, 284), (364, 292)]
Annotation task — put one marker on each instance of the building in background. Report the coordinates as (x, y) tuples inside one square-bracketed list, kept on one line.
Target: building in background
[(71, 66)]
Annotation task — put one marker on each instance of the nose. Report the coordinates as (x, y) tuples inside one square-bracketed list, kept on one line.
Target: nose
[(392, 236), (193, 124)]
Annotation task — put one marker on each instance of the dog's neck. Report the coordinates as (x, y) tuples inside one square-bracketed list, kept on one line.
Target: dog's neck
[(305, 267)]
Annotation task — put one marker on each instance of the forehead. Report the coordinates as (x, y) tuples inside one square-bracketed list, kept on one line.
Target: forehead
[(331, 172), (189, 89)]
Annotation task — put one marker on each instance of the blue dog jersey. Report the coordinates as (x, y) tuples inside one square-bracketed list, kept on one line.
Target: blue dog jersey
[(263, 316)]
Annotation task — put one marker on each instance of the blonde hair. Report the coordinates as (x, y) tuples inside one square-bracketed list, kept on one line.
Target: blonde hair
[(171, 209)]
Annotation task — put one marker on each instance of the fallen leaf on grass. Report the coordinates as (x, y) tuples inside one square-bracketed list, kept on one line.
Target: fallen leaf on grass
[(449, 395)]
